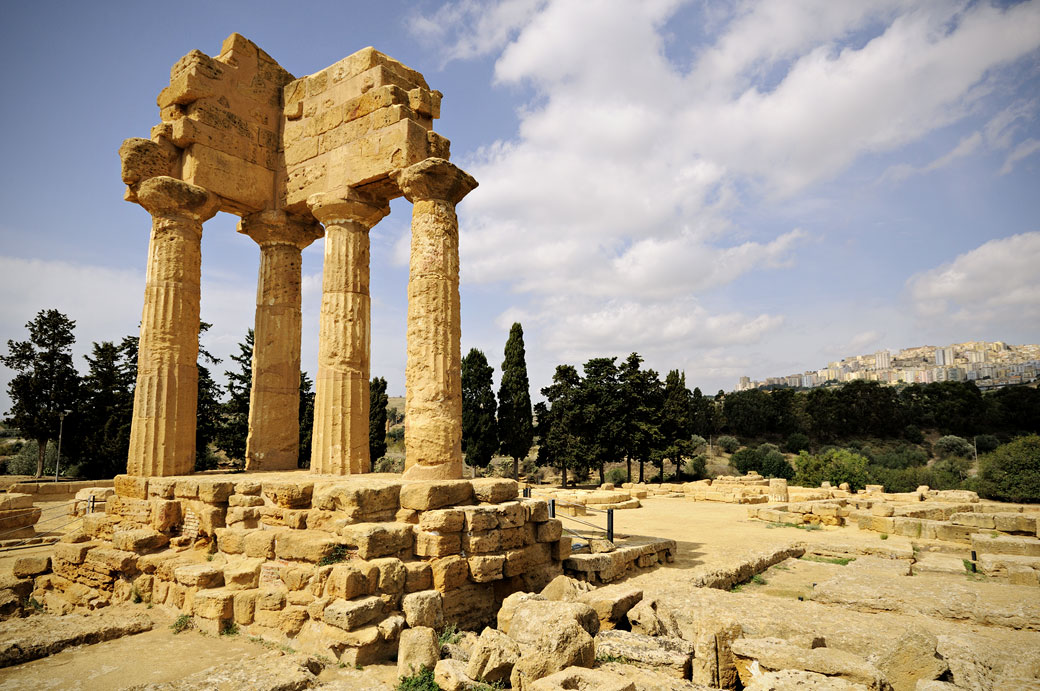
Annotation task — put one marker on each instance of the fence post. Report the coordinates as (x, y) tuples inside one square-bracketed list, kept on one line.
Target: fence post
[(610, 524), (527, 492), (90, 505), (552, 508)]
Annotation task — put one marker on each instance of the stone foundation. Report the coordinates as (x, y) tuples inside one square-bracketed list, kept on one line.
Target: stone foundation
[(330, 566)]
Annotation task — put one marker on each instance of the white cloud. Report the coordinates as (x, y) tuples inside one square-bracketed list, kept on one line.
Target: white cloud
[(996, 282), (1024, 149), (965, 147)]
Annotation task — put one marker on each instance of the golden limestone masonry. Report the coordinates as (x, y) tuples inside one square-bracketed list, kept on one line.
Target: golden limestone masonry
[(298, 159)]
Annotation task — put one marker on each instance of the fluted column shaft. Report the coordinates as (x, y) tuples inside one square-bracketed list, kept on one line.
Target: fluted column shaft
[(162, 435), (273, 442), (433, 372), (339, 440)]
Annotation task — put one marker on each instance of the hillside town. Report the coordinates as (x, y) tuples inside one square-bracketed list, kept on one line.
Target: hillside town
[(990, 364)]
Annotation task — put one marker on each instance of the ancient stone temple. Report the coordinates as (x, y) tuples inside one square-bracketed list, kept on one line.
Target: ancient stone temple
[(298, 159)]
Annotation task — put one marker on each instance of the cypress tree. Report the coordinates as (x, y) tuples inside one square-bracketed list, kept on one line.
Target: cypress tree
[(377, 402), (234, 427), (479, 427), (306, 419), (515, 430)]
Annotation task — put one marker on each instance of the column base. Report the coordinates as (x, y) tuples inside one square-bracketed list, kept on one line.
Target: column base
[(451, 470)]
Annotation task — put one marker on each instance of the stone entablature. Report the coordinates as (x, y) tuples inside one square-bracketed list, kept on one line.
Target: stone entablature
[(240, 134)]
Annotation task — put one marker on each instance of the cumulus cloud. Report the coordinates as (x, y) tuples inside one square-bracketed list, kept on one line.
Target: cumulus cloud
[(995, 282), (611, 213)]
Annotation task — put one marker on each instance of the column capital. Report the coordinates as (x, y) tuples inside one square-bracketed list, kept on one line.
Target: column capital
[(163, 196), (434, 179), (280, 228), (355, 207)]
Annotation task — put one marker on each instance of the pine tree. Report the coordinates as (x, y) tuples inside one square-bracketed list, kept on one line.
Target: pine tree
[(515, 428), (676, 424), (642, 395), (560, 444), (107, 412), (479, 426), (208, 410), (602, 412), (233, 429), (306, 419), (378, 401), (46, 383)]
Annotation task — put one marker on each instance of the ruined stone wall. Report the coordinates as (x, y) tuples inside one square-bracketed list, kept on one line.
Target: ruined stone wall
[(333, 567)]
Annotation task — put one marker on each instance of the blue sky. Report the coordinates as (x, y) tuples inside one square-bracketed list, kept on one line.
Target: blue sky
[(727, 188)]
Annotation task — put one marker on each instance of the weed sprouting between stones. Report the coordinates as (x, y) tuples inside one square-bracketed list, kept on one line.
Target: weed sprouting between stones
[(182, 623), (840, 561), (230, 629), (422, 680), (449, 635), (339, 553)]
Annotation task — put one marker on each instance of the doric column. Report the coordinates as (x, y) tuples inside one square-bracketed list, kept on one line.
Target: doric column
[(274, 398), (339, 441), (162, 436), (433, 373)]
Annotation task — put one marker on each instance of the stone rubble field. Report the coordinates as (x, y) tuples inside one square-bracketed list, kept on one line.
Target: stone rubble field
[(745, 603)]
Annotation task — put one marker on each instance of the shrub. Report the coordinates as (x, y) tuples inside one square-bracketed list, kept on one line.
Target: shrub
[(746, 460), (727, 443), (835, 466), (985, 443), (1012, 471), (694, 468), (24, 463), (913, 434), (797, 442), (617, 476), (904, 457), (389, 464), (697, 441), (951, 445), (774, 464)]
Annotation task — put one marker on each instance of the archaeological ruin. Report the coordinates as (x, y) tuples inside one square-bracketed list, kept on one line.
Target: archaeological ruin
[(297, 160)]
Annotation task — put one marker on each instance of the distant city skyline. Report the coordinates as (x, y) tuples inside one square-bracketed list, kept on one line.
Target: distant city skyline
[(989, 364)]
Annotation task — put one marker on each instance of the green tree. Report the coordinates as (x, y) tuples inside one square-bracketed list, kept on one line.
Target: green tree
[(230, 435), (676, 423), (642, 398), (377, 402), (479, 426), (603, 419), (106, 412), (306, 419), (208, 410), (46, 383), (1012, 472), (951, 445), (559, 424), (727, 443), (515, 425), (835, 466)]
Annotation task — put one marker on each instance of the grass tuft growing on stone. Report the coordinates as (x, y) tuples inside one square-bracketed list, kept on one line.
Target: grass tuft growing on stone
[(603, 658), (840, 561), (339, 553), (230, 629), (420, 681), (182, 623), (450, 634)]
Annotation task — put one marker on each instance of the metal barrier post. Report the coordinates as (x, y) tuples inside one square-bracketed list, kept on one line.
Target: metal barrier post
[(90, 505), (610, 524), (552, 508), (527, 492)]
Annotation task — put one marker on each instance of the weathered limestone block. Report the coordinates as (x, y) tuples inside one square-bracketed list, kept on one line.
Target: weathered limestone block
[(418, 576), (352, 579), (493, 657), (215, 603), (612, 603), (423, 608), (912, 657), (243, 575), (340, 437), (442, 521), (377, 539), (433, 402), (494, 490), (304, 545), (289, 494), (550, 531), (481, 518), (531, 617), (449, 572), (537, 510), (774, 654), (670, 655), (423, 496), (417, 649), (437, 545), (203, 575), (553, 650), (162, 437), (1005, 544), (470, 606), (259, 543), (130, 487), (482, 542), (361, 499), (485, 568), (581, 678), (139, 540), (25, 567), (392, 575), (350, 615)]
